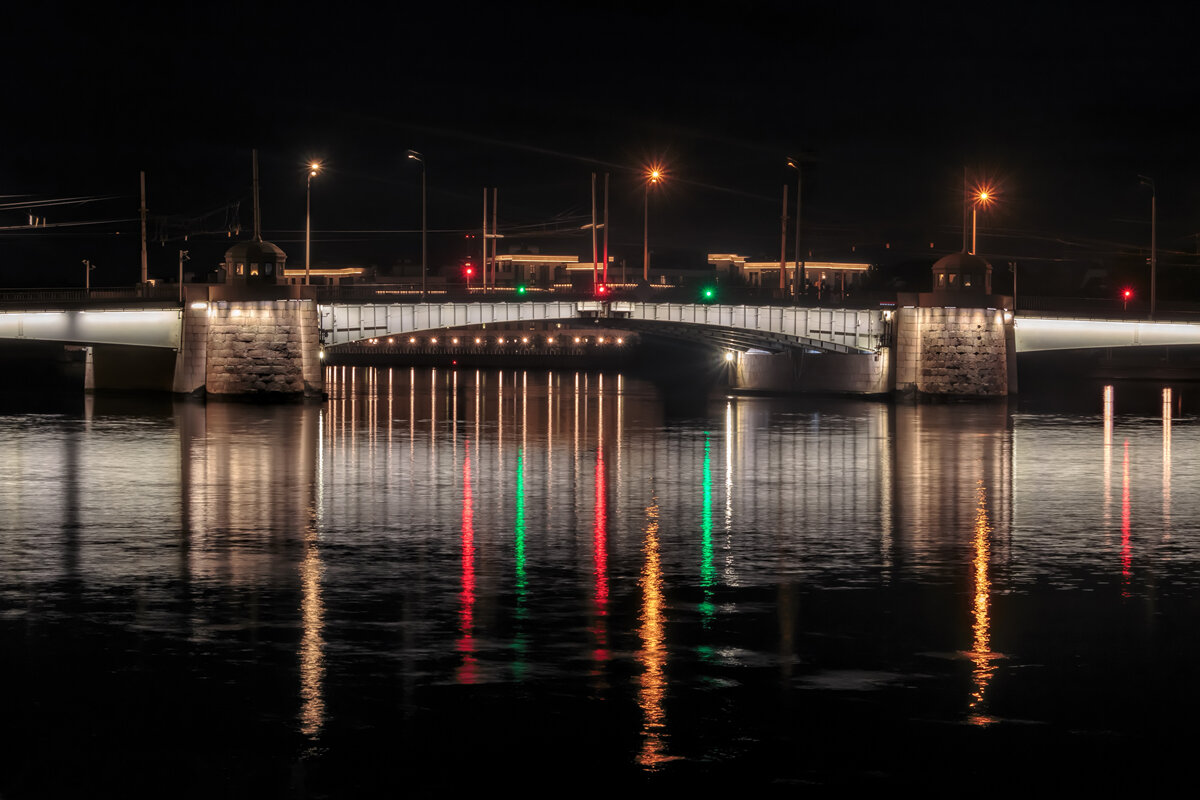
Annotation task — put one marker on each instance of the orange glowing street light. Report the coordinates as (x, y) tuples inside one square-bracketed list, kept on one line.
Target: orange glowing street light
[(984, 196), (313, 168), (654, 176)]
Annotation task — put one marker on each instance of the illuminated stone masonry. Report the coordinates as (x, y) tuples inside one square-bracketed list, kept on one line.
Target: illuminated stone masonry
[(962, 352), (266, 348)]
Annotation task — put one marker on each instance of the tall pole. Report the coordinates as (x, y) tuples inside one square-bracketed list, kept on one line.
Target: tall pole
[(183, 256), (595, 274), (974, 214), (307, 227), (483, 263), (1153, 250), (143, 215), (313, 169), (652, 177), (783, 244), (1153, 242), (424, 232), (799, 274), (606, 228), (646, 238), (495, 230), (964, 209), (420, 159)]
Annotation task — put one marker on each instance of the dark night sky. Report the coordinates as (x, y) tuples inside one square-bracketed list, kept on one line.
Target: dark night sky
[(1062, 108)]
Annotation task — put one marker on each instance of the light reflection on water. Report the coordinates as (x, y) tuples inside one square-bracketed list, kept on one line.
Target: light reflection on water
[(427, 535)]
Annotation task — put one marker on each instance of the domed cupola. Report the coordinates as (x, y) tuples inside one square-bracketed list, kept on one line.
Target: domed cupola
[(962, 274)]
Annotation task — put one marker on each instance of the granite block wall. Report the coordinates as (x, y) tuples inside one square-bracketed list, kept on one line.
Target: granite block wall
[(267, 349)]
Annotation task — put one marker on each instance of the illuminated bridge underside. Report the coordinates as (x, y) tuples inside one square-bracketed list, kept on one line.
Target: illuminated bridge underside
[(1045, 333), (765, 327), (737, 327), (141, 327), (342, 324)]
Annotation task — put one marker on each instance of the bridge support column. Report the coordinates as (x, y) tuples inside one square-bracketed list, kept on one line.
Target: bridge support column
[(192, 357), (952, 352), (255, 349)]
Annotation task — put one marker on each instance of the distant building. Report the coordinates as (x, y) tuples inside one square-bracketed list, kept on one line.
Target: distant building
[(535, 269), (837, 277), (326, 276)]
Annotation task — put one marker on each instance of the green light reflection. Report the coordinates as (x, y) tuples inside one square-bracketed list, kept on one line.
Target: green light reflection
[(519, 643), (708, 574)]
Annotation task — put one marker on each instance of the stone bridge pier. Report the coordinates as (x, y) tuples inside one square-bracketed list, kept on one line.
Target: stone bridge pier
[(246, 348)]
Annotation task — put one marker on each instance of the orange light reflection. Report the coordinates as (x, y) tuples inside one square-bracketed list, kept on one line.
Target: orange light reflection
[(981, 654), (653, 656)]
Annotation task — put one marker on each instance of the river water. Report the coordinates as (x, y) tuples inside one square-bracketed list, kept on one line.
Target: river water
[(561, 581)]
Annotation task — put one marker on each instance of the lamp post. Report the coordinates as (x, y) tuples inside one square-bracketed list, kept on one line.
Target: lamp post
[(653, 176), (313, 169), (982, 198), (415, 156), (1153, 242), (183, 256), (798, 275)]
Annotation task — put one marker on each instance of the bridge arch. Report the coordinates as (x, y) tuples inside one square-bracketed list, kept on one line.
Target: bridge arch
[(741, 327)]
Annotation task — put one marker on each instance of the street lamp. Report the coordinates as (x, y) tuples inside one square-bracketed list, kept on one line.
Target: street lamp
[(88, 266), (983, 197), (313, 169), (653, 176), (1153, 242), (798, 275), (415, 156)]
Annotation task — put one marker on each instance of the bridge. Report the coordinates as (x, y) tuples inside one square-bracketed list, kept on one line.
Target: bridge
[(771, 346), (739, 327)]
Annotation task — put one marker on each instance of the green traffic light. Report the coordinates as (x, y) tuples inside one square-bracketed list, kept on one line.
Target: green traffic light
[(521, 289), (709, 293)]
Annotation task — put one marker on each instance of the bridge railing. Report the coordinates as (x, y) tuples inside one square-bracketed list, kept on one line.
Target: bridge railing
[(459, 293), (81, 296), (1107, 308)]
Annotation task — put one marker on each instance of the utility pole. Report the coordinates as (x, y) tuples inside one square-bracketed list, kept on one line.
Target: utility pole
[(594, 262), (783, 244), (606, 229), (183, 256), (1153, 242), (483, 263), (964, 209), (798, 276), (143, 215)]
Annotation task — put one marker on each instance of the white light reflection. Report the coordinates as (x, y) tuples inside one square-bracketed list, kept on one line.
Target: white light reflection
[(312, 641), (1166, 461), (1108, 434)]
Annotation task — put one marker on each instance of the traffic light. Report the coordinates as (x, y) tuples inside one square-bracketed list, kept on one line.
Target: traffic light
[(601, 290), (520, 290), (708, 294), (1126, 295)]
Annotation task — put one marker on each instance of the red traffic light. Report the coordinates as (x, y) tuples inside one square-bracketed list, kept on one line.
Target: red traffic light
[(1128, 293), (601, 288)]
